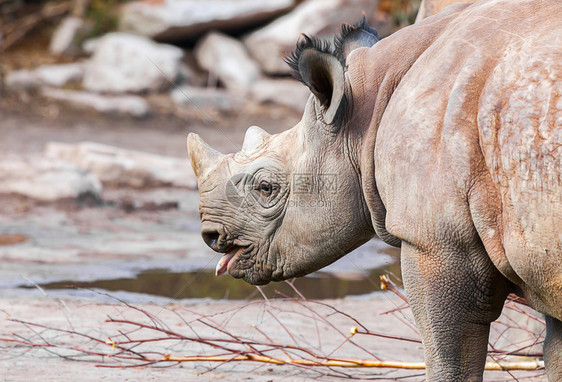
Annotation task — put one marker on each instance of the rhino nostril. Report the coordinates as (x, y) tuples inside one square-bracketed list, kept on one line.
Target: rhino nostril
[(211, 238)]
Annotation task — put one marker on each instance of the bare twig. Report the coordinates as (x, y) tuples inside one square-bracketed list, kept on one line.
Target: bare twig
[(149, 341)]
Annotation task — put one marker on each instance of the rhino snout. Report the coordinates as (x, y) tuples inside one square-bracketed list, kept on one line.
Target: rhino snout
[(213, 235)]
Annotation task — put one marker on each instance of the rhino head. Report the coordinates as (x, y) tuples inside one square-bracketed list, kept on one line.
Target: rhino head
[(289, 204)]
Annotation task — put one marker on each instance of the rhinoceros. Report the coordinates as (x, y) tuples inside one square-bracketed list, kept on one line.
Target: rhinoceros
[(444, 139)]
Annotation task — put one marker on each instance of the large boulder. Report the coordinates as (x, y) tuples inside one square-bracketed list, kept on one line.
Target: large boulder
[(45, 75), (120, 167), (124, 62), (173, 20), (46, 179), (227, 59), (272, 43), (122, 104)]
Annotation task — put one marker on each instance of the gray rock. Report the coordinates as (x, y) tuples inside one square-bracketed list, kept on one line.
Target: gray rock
[(60, 75), (204, 98), (174, 20), (226, 59), (121, 167), (21, 79), (123, 62), (64, 37), (45, 75), (284, 92), (46, 179), (126, 104), (89, 45), (189, 76), (270, 44)]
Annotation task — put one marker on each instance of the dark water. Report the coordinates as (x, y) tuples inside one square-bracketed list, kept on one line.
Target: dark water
[(203, 283)]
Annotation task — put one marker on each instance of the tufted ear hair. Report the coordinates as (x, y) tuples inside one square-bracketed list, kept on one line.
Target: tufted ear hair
[(317, 67), (354, 36)]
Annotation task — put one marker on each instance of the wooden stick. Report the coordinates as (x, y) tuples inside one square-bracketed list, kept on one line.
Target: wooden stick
[(336, 362)]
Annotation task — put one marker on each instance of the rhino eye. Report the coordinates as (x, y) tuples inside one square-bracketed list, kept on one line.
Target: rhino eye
[(265, 188)]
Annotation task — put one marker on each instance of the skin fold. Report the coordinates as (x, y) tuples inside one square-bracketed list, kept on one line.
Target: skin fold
[(444, 139)]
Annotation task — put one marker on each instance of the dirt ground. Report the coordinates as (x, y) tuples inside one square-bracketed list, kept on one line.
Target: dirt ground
[(79, 241)]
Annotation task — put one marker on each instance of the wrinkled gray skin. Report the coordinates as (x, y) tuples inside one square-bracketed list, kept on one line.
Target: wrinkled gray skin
[(451, 148)]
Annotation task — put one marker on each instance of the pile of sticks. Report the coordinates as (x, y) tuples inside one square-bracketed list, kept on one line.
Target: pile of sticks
[(147, 340)]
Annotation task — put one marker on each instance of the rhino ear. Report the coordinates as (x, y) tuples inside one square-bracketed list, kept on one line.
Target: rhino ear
[(316, 66), (354, 36)]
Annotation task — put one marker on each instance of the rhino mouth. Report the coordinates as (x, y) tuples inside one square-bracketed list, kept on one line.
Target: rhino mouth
[(229, 258)]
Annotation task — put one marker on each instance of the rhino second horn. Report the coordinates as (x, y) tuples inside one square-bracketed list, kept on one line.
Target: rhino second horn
[(201, 155), (254, 138)]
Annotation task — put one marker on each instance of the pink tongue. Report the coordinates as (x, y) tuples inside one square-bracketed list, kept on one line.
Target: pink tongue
[(223, 263)]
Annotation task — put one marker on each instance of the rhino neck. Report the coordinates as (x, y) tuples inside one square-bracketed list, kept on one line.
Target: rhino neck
[(374, 74)]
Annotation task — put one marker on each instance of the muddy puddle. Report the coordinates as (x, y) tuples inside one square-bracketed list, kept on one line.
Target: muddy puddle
[(204, 284)]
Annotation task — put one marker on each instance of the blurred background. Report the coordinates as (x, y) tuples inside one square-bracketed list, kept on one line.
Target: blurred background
[(96, 100)]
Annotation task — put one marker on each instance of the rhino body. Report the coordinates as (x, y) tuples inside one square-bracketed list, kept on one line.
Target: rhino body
[(446, 140)]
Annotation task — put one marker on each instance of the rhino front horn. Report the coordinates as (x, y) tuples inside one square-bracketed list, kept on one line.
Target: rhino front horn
[(201, 155)]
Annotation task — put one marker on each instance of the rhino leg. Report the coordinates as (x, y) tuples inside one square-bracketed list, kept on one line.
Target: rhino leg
[(455, 293), (553, 349)]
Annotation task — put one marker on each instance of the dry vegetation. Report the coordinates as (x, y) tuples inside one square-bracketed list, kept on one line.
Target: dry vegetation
[(327, 342)]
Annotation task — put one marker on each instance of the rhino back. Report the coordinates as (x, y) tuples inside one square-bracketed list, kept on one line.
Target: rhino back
[(520, 125), (469, 147)]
